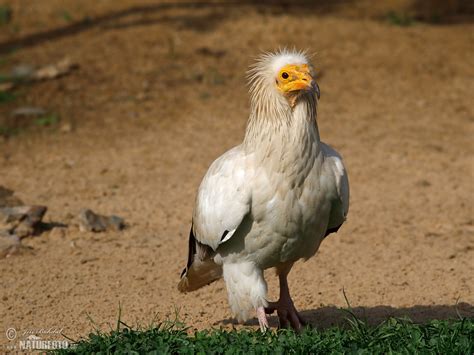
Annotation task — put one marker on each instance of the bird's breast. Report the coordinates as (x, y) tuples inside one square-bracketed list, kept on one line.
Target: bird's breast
[(290, 212)]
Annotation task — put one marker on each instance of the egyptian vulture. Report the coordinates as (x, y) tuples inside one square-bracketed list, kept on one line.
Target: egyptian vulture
[(271, 200)]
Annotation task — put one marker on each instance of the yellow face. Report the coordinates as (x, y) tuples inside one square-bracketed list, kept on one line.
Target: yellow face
[(293, 78)]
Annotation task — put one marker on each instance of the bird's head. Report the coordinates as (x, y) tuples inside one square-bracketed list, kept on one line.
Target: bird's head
[(285, 74)]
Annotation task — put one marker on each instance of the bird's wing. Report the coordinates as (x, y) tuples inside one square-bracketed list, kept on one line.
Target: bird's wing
[(222, 201), (335, 166), (223, 198)]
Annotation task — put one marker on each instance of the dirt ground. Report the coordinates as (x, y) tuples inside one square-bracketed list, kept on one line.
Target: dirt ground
[(160, 93)]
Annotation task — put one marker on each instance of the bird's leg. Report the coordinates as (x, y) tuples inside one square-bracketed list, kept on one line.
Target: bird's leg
[(262, 319), (285, 307)]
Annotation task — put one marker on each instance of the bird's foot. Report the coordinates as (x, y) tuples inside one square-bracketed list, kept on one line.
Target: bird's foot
[(287, 314), (262, 319)]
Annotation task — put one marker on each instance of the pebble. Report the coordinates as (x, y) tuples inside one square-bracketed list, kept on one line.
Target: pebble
[(90, 221), (28, 111), (21, 220), (9, 245)]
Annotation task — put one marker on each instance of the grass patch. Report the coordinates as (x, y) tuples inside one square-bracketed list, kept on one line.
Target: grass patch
[(5, 14), (12, 126), (400, 19), (394, 336), (6, 96), (66, 16), (8, 131), (47, 120)]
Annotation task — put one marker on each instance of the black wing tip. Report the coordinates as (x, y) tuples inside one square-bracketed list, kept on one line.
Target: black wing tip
[(224, 234), (191, 252), (191, 248), (332, 230)]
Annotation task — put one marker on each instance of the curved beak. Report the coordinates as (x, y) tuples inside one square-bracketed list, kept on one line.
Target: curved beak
[(301, 79)]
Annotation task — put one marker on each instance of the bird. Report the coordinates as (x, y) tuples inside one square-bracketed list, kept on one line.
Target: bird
[(271, 200)]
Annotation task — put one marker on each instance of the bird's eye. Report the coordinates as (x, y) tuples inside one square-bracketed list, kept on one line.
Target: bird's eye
[(284, 75)]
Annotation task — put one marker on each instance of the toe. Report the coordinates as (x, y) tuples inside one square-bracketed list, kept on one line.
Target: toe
[(295, 321), (283, 319), (302, 321), (262, 319)]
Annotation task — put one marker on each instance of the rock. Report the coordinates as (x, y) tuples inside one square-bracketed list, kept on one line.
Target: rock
[(16, 219), (92, 222), (55, 70), (9, 244), (28, 111), (22, 72), (66, 128), (21, 221), (6, 86), (7, 199)]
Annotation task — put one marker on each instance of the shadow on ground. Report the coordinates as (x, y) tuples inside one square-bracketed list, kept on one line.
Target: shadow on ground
[(128, 17), (438, 13), (326, 317)]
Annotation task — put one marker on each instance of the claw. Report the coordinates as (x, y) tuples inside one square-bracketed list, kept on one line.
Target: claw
[(287, 314), (262, 319)]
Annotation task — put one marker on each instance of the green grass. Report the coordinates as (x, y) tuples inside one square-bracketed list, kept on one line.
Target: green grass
[(6, 96), (394, 336), (400, 19), (5, 14), (66, 15), (47, 120)]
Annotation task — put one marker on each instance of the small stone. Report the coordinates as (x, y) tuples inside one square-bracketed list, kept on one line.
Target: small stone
[(53, 71), (116, 223), (21, 220), (66, 128), (92, 222), (22, 72), (9, 245), (6, 86), (28, 111)]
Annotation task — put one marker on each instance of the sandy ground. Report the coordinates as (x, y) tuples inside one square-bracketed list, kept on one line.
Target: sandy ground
[(160, 94)]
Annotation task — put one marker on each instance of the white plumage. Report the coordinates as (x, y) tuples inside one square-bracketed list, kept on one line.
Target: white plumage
[(271, 200)]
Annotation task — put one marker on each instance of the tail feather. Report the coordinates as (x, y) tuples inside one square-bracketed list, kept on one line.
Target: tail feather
[(201, 273), (201, 270)]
